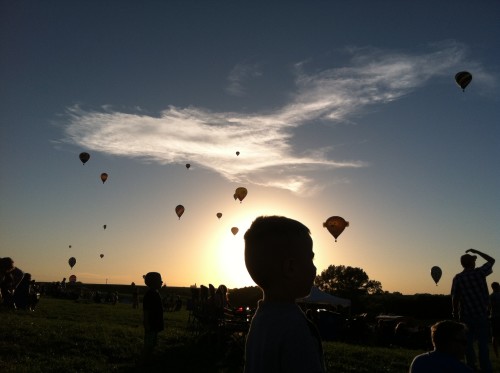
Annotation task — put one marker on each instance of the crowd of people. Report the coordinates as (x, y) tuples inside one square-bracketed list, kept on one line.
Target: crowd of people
[(280, 337), (17, 289)]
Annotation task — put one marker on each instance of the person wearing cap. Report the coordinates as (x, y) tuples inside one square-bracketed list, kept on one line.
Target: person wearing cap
[(470, 300), (153, 312)]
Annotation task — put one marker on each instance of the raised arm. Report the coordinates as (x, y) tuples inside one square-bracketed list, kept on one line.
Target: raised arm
[(486, 257)]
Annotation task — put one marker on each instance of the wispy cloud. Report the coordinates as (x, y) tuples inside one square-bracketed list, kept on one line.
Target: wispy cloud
[(239, 75), (210, 139)]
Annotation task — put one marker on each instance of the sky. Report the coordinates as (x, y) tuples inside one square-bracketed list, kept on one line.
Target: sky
[(337, 108)]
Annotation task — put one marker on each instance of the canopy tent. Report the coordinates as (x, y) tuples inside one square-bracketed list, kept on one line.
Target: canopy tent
[(317, 296)]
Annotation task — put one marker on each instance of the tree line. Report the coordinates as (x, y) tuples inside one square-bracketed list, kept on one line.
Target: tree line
[(366, 295)]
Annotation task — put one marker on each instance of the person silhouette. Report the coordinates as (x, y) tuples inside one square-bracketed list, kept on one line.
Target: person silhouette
[(279, 258), (470, 299)]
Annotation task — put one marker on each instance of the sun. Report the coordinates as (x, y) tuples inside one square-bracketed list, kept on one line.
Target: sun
[(227, 260), (231, 261)]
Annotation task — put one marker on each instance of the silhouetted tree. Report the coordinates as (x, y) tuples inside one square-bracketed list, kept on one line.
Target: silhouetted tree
[(346, 281)]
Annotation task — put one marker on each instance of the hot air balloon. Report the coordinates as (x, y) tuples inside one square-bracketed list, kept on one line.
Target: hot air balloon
[(237, 153), (102, 256), (84, 157), (69, 246), (463, 78), (219, 215), (240, 193), (188, 165), (104, 226), (335, 225), (71, 262), (436, 274), (179, 210), (72, 278), (234, 230), (104, 177)]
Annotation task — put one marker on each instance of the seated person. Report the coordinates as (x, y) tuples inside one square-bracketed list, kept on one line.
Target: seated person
[(22, 295), (10, 277), (449, 341)]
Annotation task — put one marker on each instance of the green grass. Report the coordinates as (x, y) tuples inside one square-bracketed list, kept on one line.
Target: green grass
[(67, 336)]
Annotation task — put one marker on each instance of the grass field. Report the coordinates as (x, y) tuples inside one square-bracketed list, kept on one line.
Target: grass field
[(67, 336)]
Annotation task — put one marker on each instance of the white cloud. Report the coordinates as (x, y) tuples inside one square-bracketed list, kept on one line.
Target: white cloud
[(210, 139)]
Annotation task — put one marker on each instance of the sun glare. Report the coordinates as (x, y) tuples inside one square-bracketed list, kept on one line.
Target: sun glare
[(231, 261), (227, 263)]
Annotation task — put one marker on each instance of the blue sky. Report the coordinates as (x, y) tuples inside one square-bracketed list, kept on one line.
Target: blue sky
[(337, 108)]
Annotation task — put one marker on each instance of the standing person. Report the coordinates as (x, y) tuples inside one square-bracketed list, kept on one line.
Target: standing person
[(495, 316), (470, 300), (449, 341), (153, 312), (135, 296), (279, 258)]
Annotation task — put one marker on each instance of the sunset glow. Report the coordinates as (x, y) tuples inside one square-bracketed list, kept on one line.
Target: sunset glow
[(325, 112)]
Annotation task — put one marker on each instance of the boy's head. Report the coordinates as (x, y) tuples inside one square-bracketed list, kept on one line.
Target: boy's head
[(278, 252), (153, 280), (449, 336), (495, 286)]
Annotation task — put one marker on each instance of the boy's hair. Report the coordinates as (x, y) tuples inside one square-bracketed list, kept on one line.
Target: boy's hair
[(443, 332), (151, 277), (267, 243), (495, 286)]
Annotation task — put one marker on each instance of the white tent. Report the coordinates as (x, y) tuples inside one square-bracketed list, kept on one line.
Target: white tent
[(320, 297)]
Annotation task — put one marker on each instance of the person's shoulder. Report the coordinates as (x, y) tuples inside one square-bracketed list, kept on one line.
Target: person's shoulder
[(420, 363), (279, 317), (459, 275), (424, 356), (434, 361), (280, 310)]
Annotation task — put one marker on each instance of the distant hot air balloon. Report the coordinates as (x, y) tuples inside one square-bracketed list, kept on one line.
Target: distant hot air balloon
[(188, 165), (335, 225), (237, 153), (240, 193), (219, 215), (104, 177), (179, 210), (72, 278), (104, 226), (234, 230), (84, 157), (69, 246), (71, 262), (436, 274), (463, 78), (102, 256)]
